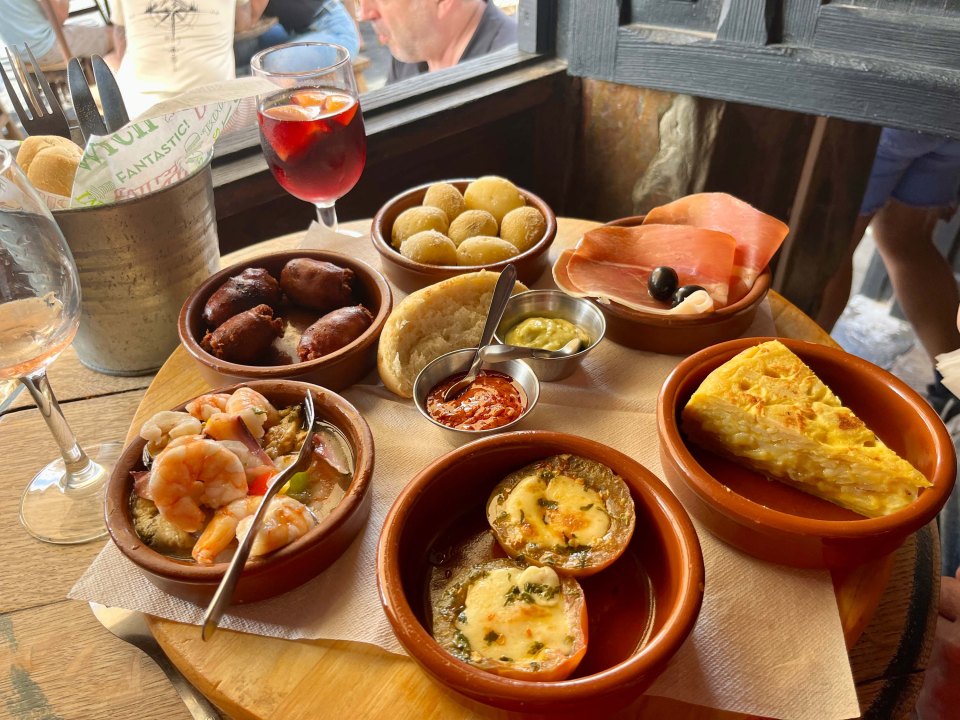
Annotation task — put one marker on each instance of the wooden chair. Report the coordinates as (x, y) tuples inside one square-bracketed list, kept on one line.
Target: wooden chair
[(360, 63), (8, 128), (56, 72)]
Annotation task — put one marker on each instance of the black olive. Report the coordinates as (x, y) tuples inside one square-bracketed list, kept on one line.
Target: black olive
[(683, 293), (662, 283)]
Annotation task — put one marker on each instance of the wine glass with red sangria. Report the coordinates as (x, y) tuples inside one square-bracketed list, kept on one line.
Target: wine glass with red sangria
[(311, 129)]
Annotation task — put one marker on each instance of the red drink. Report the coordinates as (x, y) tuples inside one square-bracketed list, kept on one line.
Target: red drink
[(314, 142)]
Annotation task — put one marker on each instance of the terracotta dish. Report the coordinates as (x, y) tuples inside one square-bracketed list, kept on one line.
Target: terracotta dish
[(409, 275), (283, 569), (775, 522), (640, 609), (336, 370), (681, 334)]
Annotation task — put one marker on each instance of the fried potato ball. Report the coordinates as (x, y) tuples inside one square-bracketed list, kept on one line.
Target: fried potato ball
[(430, 247), (496, 195), (417, 219), (446, 197), (483, 250), (523, 227), (471, 223)]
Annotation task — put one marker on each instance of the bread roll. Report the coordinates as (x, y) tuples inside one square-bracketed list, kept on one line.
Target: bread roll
[(50, 163), (433, 321)]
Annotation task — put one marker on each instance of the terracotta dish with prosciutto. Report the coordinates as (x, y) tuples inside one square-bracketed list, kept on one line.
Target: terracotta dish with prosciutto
[(758, 235), (712, 246)]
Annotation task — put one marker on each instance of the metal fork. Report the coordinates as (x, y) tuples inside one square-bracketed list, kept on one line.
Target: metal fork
[(37, 118)]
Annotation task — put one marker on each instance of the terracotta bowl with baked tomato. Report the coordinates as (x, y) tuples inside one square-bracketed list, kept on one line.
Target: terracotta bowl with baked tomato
[(335, 370), (641, 599), (410, 275), (273, 573), (778, 523), (681, 334)]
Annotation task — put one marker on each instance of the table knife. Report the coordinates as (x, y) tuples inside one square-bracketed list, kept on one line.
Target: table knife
[(87, 113), (132, 627), (114, 109)]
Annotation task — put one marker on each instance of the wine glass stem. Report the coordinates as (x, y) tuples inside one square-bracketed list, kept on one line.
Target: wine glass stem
[(80, 469), (327, 215)]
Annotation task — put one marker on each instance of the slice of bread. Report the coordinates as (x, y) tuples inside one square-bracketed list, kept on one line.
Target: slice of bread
[(431, 322), (50, 163)]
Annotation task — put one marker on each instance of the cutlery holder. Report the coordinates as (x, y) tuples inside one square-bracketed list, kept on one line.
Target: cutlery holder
[(138, 261)]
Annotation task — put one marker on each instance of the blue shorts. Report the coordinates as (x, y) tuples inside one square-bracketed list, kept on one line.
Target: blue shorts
[(914, 168), (333, 25)]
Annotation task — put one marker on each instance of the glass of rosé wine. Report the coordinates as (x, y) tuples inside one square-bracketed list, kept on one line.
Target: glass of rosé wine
[(311, 129), (39, 315)]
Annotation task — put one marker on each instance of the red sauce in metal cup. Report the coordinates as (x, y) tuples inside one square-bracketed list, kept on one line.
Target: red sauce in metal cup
[(493, 400)]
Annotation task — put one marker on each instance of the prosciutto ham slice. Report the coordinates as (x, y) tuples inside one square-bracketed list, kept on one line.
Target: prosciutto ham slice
[(614, 263), (758, 235)]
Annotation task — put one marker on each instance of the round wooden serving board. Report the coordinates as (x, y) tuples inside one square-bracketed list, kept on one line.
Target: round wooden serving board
[(258, 677)]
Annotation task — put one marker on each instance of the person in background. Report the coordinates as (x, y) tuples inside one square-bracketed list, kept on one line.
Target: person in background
[(428, 35), (169, 46), (940, 695), (24, 22), (913, 184), (311, 21)]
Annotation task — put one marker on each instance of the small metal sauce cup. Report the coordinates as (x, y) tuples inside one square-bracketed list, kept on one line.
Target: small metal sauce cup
[(554, 304), (459, 361)]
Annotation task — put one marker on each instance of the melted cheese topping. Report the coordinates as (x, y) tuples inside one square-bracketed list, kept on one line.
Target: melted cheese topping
[(559, 511), (516, 616)]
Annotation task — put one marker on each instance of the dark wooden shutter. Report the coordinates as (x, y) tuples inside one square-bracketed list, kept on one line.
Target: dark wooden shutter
[(887, 62)]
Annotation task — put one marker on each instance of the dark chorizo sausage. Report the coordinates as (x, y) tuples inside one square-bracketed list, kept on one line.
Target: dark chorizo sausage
[(252, 287), (244, 337), (334, 331), (316, 284)]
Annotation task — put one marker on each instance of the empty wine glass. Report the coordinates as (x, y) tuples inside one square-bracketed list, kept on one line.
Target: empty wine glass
[(39, 315), (311, 129)]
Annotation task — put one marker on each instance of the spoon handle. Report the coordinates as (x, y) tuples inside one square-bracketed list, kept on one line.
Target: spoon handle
[(498, 304), (221, 598)]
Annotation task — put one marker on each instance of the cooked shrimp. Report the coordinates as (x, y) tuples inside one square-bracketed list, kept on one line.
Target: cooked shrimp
[(206, 405), (256, 411), (253, 463), (195, 472), (222, 529), (285, 521), (159, 430)]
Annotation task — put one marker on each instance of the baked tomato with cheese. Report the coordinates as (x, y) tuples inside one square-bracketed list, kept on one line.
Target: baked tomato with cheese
[(566, 512), (513, 619)]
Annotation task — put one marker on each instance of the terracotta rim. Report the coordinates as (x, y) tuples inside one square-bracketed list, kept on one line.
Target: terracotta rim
[(757, 292), (748, 512), (119, 486), (688, 589), (193, 308), (379, 234)]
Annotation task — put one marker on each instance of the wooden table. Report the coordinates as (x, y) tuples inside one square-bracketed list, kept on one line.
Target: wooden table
[(62, 663)]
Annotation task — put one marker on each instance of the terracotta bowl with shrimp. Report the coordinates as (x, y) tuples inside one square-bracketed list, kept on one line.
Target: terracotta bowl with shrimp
[(186, 489)]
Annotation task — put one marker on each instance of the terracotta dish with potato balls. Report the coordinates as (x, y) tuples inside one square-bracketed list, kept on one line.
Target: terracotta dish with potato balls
[(436, 231)]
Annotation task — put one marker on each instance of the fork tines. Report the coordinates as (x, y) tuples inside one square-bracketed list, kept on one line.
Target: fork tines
[(42, 114)]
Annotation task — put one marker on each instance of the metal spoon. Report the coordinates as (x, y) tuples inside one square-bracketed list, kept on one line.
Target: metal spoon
[(221, 598), (501, 294), (501, 353)]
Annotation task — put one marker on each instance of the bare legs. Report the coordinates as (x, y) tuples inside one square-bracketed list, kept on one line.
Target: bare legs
[(921, 277), (836, 293)]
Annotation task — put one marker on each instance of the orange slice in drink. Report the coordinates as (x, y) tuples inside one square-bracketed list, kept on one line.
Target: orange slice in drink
[(291, 112), (310, 98)]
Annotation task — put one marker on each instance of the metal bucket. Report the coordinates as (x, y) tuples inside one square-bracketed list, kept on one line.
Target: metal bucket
[(138, 260)]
